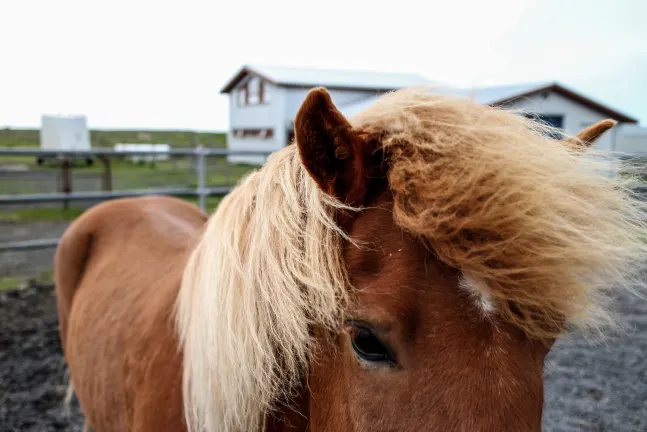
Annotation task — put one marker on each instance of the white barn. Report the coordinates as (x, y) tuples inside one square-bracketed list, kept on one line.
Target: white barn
[(264, 100)]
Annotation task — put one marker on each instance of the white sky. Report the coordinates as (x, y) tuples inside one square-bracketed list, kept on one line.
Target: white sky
[(161, 64)]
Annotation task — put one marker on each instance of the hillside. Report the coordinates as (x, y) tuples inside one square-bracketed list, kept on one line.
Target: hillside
[(108, 138)]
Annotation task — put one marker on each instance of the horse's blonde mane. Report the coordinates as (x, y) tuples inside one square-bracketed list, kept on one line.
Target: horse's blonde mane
[(543, 227), (531, 219), (267, 267)]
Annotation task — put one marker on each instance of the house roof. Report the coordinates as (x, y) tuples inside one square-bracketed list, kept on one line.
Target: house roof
[(506, 94), (501, 95), (496, 94), (329, 78)]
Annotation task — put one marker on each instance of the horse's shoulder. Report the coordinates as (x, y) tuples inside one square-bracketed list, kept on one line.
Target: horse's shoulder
[(137, 210)]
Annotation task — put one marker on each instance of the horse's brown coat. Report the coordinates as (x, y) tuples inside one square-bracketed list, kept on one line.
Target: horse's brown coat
[(123, 355)]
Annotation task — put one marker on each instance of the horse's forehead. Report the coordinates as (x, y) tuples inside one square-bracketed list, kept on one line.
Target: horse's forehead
[(399, 279), (396, 275)]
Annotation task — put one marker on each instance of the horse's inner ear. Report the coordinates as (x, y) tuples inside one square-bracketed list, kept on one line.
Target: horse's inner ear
[(586, 137), (337, 156)]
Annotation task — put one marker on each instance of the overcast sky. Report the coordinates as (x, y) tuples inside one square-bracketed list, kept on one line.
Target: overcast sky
[(162, 63)]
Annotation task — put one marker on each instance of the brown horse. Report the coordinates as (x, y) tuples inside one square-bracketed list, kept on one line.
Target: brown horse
[(407, 269)]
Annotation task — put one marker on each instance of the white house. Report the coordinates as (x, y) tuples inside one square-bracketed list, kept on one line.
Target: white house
[(264, 102), (557, 105)]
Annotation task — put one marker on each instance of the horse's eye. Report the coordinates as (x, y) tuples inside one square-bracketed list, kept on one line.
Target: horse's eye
[(368, 347)]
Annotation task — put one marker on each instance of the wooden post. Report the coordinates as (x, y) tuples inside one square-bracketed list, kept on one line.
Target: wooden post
[(106, 177), (67, 181)]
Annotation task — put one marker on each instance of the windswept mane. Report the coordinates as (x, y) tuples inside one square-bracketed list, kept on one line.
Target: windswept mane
[(268, 266), (536, 223), (529, 219)]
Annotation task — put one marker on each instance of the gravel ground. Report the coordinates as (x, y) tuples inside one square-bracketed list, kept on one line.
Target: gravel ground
[(600, 387), (32, 368), (588, 388)]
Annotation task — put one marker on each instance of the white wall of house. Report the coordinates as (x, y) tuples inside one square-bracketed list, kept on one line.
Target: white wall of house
[(576, 116), (294, 98), (267, 115), (277, 114), (632, 139)]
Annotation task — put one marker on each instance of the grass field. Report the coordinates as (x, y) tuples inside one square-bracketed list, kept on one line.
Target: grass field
[(55, 214), (177, 172), (107, 138), (125, 176), (9, 282)]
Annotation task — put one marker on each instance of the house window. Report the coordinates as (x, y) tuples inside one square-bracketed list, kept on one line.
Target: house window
[(241, 95), (555, 121), (254, 91), (253, 133), (266, 93)]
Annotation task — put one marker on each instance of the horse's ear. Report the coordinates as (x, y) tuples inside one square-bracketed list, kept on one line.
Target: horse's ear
[(588, 136), (337, 157)]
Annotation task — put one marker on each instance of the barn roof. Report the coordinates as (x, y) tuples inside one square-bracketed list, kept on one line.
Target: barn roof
[(501, 95), (330, 78)]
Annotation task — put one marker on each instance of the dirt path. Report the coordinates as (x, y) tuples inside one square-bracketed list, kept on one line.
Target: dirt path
[(588, 388)]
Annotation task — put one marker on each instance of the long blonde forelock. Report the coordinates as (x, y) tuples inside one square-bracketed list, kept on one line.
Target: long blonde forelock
[(541, 224), (267, 268)]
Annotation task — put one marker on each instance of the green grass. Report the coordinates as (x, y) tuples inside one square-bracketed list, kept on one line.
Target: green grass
[(211, 203), (56, 214), (107, 138), (13, 282), (47, 214), (7, 283)]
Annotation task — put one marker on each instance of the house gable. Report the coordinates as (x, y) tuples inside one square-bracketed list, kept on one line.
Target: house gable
[(568, 93), (252, 90)]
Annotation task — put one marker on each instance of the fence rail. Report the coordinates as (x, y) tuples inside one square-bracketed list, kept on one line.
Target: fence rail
[(200, 153), (26, 245), (30, 151), (106, 154), (80, 196)]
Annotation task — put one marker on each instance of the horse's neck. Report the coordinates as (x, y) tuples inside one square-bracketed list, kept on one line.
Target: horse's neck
[(294, 419)]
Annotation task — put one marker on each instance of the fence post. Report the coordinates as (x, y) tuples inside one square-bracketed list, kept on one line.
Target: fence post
[(67, 181), (106, 178), (201, 176)]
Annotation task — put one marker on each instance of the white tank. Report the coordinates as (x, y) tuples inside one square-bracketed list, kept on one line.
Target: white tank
[(64, 133)]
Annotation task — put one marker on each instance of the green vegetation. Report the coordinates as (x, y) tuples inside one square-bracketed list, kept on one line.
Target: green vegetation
[(11, 282), (48, 214), (56, 214), (211, 203), (108, 138)]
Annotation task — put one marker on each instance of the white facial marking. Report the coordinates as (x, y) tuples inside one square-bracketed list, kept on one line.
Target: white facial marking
[(483, 299)]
